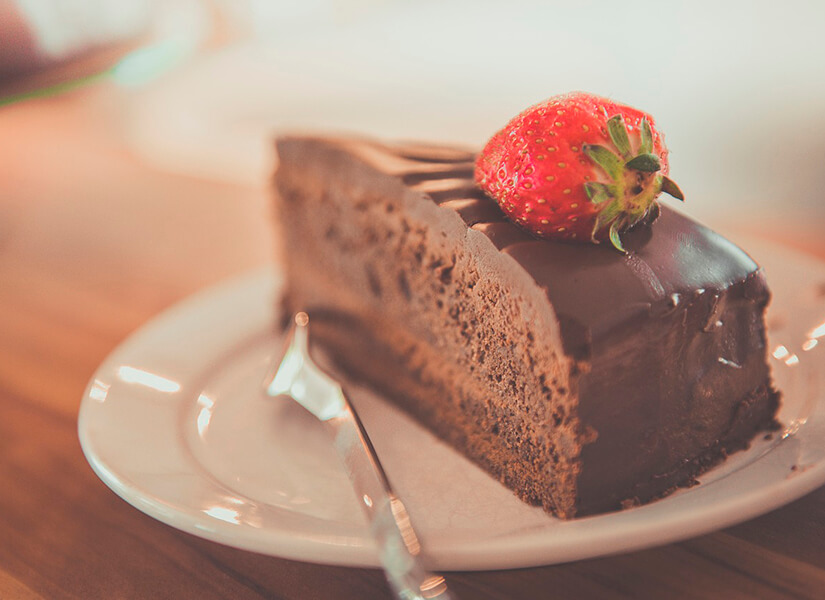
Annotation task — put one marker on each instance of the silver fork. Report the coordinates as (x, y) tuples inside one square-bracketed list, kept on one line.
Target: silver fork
[(299, 378)]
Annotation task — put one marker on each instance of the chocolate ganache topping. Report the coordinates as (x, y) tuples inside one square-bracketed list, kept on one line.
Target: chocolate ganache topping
[(593, 287)]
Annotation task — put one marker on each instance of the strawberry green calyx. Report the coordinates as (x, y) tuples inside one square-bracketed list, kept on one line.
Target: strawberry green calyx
[(576, 168), (635, 181)]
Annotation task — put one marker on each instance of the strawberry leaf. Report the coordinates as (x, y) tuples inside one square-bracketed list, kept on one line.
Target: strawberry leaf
[(606, 215), (603, 157), (669, 187), (618, 133), (648, 163), (614, 237), (646, 138), (597, 192)]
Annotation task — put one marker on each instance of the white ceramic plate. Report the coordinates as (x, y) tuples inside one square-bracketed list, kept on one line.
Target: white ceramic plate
[(175, 422)]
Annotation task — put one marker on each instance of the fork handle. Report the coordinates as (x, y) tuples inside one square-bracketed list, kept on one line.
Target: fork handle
[(407, 576), (398, 547)]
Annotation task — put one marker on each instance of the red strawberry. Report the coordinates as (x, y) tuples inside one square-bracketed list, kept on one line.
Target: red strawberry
[(577, 168)]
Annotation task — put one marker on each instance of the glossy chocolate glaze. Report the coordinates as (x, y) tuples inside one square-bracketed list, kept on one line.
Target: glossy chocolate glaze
[(670, 337), (593, 287)]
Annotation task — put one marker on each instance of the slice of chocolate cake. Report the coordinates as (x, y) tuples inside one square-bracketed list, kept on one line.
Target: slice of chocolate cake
[(584, 379)]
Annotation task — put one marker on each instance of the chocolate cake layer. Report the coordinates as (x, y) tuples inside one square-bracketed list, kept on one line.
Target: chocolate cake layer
[(584, 379)]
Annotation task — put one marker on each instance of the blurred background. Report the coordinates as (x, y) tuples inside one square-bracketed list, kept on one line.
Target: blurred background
[(199, 88)]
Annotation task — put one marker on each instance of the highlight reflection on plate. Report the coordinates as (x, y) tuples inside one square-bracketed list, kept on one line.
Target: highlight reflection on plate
[(176, 423)]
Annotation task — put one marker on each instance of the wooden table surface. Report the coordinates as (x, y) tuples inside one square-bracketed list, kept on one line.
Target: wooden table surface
[(92, 244)]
